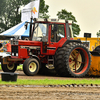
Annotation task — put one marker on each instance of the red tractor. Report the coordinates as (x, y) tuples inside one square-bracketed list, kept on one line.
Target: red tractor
[(50, 45)]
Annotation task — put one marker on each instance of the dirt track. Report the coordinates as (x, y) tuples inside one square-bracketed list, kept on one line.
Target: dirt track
[(47, 93), (29, 93), (23, 76)]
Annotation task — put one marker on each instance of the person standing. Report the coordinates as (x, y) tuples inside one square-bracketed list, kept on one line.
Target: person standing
[(8, 46)]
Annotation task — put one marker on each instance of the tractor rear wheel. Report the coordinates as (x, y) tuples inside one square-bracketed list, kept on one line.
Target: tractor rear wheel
[(72, 60), (31, 66)]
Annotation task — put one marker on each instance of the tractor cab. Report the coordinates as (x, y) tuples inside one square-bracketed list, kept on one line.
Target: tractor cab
[(52, 33), (56, 29)]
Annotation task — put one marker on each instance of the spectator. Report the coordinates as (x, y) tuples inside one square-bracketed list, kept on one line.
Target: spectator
[(8, 46), (87, 45), (92, 48), (79, 39)]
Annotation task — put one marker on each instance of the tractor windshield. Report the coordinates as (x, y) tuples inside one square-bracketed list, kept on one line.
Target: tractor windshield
[(40, 32)]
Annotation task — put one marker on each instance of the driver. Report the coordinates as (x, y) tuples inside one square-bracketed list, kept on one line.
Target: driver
[(53, 36), (54, 32)]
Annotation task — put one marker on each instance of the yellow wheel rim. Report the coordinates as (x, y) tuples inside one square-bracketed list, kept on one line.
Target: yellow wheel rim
[(32, 67), (10, 67), (75, 60)]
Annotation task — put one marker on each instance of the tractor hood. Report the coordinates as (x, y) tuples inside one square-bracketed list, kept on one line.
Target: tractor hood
[(25, 43)]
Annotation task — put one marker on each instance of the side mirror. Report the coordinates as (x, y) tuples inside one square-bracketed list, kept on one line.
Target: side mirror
[(26, 24)]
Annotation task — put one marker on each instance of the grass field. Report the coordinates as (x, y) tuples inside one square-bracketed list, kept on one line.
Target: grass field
[(51, 82)]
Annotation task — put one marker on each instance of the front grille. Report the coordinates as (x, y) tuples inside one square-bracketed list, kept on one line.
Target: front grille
[(14, 49)]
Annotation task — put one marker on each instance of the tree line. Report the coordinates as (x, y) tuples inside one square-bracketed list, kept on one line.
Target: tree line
[(10, 14)]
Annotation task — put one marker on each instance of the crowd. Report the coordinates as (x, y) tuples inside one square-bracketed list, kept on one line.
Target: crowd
[(5, 46)]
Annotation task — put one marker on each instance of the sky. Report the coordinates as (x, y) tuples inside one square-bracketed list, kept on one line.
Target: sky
[(86, 12)]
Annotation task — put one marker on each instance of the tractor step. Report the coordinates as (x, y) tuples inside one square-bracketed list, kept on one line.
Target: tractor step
[(50, 59)]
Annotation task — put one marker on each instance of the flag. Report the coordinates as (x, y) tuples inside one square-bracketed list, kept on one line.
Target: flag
[(30, 10)]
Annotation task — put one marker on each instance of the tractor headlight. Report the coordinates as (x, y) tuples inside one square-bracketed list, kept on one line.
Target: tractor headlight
[(12, 54), (16, 54)]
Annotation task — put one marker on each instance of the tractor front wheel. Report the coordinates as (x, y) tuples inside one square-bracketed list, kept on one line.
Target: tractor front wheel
[(31, 66), (11, 67)]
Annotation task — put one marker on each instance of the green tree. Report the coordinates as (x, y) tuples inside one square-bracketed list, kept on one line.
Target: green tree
[(2, 7), (10, 13), (98, 33), (63, 14), (43, 10)]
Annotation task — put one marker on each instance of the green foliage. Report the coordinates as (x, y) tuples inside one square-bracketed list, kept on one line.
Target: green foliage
[(63, 14), (10, 13), (43, 10), (98, 33)]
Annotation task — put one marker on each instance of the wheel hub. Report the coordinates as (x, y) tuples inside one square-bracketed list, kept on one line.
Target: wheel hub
[(32, 67), (10, 66), (75, 60)]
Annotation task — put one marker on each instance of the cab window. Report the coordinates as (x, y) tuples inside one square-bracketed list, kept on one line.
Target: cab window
[(57, 32)]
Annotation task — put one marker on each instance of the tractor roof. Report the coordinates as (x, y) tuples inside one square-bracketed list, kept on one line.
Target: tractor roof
[(52, 20)]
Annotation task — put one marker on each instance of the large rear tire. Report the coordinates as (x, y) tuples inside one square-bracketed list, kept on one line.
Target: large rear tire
[(31, 66), (11, 67), (72, 60)]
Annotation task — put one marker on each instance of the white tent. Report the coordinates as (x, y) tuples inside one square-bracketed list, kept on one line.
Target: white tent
[(18, 31)]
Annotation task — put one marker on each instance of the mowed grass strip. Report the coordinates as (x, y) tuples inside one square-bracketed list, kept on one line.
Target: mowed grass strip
[(50, 82)]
